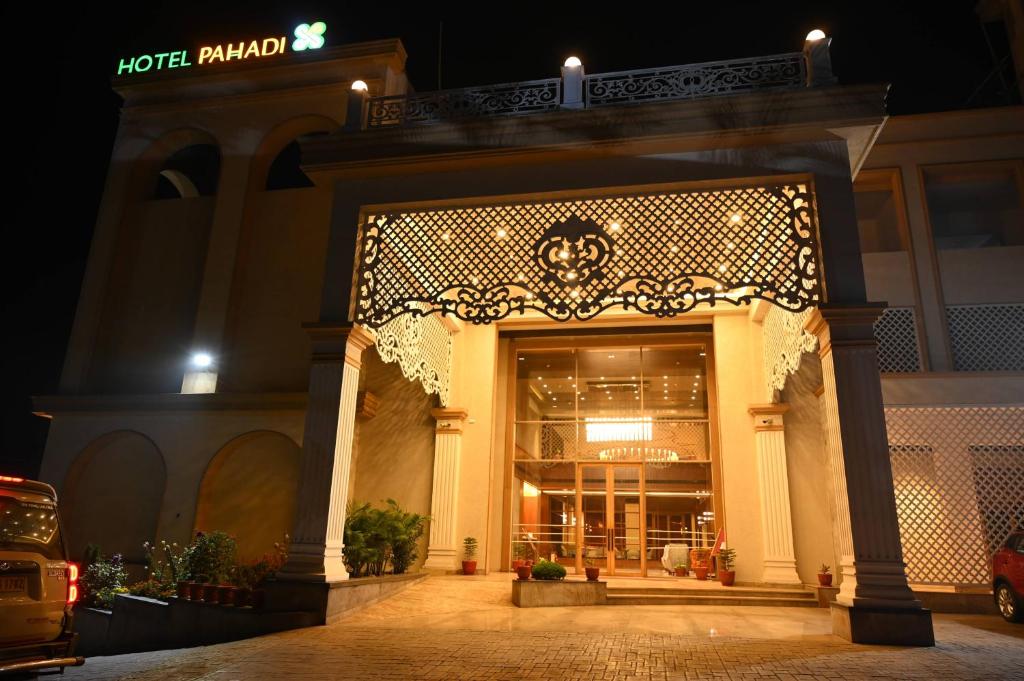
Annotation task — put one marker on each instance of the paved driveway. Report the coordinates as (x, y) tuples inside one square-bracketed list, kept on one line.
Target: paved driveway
[(466, 628)]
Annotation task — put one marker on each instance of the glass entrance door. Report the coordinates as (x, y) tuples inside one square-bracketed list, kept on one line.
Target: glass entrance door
[(613, 517)]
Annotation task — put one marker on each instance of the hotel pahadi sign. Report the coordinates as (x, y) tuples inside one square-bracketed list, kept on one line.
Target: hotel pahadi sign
[(305, 37)]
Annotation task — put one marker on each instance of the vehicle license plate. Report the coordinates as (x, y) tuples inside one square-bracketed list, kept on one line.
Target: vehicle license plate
[(9, 585)]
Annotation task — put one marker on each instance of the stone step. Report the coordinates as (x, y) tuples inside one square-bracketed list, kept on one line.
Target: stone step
[(749, 592), (713, 598)]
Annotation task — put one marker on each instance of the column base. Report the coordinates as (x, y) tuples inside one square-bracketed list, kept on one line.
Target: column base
[(443, 561), (780, 572), (313, 565), (883, 626)]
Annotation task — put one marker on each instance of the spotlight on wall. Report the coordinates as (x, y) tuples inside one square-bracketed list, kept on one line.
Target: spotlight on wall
[(202, 360)]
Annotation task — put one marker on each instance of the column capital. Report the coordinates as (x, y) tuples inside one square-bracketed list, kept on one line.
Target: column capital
[(449, 419), (767, 417), (335, 343), (835, 324)]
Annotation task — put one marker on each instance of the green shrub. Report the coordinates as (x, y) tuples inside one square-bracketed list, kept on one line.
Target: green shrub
[(469, 547), (548, 570), (212, 557), (103, 579), (168, 563), (727, 559), (376, 538), (152, 588), (253, 574)]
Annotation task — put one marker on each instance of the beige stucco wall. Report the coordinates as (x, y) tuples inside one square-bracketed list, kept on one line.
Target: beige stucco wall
[(187, 439), (737, 372), (393, 456), (277, 287), (809, 483), (150, 305)]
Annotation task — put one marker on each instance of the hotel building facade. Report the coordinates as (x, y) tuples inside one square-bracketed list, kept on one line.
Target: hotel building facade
[(583, 318)]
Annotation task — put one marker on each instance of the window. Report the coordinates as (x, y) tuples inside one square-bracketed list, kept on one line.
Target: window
[(879, 213), (975, 205)]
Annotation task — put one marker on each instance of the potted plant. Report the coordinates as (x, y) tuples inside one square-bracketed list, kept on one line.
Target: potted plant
[(184, 590), (726, 561), (546, 570), (825, 575), (469, 551), (523, 572), (518, 551), (700, 570), (681, 570), (592, 569)]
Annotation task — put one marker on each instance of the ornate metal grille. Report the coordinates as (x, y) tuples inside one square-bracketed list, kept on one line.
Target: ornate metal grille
[(659, 253), (695, 80), (896, 333), (490, 100), (987, 337), (784, 341), (958, 474), (422, 346)]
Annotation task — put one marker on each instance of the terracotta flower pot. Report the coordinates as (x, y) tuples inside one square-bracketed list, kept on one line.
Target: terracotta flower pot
[(528, 562), (516, 564), (681, 571), (184, 590), (226, 594), (523, 572), (195, 591), (210, 593), (701, 572), (824, 580), (242, 597), (469, 567), (257, 597), (727, 577), (592, 573)]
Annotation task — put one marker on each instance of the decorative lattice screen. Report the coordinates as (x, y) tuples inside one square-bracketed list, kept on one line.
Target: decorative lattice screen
[(958, 474), (422, 346), (896, 333), (987, 337), (784, 343), (658, 253)]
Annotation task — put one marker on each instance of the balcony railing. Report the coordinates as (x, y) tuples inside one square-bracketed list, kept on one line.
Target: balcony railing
[(691, 81), (507, 99), (781, 71)]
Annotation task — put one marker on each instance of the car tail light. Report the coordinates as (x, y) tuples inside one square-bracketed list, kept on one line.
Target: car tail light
[(10, 478), (72, 583)]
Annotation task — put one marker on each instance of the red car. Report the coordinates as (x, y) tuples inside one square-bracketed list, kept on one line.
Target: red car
[(1008, 578)]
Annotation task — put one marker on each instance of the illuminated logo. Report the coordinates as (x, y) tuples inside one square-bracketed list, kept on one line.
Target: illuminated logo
[(309, 36)]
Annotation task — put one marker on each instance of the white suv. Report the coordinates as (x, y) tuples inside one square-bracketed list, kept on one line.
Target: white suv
[(38, 585)]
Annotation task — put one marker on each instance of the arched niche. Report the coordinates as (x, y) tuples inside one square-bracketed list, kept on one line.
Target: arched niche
[(189, 172), (277, 161), (112, 496), (249, 491)]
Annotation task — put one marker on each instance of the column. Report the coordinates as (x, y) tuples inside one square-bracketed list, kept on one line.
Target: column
[(443, 550), (875, 603), (315, 553), (773, 482)]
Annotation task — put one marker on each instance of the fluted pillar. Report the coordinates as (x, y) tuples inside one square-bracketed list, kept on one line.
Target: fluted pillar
[(773, 483), (317, 541), (443, 549), (875, 603)]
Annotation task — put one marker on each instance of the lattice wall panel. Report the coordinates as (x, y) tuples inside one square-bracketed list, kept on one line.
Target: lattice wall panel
[(896, 333), (958, 474), (987, 337), (784, 342), (422, 347), (661, 254)]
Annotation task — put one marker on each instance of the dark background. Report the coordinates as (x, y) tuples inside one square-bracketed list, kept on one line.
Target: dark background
[(60, 114)]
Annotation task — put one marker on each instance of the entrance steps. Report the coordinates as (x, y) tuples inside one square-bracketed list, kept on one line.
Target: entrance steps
[(739, 596)]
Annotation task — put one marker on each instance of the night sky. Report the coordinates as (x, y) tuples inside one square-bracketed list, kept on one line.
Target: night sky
[(61, 114)]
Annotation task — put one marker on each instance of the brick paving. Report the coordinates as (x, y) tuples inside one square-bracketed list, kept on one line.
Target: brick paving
[(452, 628)]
